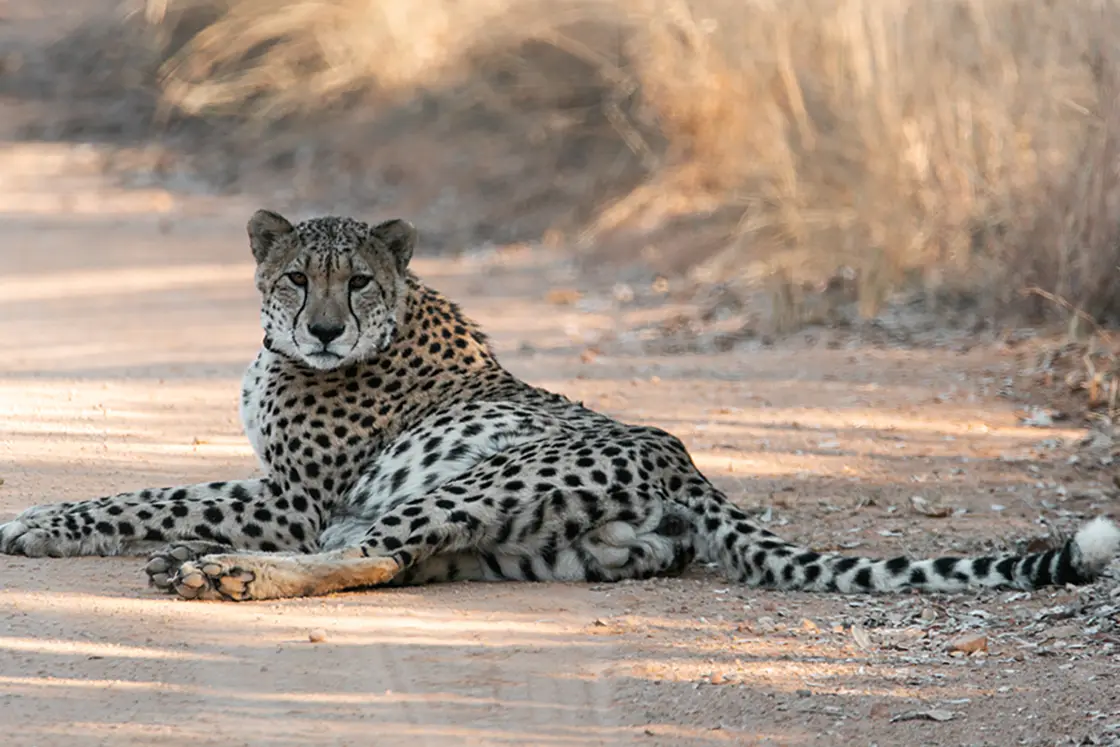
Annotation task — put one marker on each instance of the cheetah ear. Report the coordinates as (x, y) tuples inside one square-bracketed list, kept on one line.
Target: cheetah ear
[(400, 238), (265, 227)]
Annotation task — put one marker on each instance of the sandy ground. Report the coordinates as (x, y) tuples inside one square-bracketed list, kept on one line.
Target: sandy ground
[(129, 317)]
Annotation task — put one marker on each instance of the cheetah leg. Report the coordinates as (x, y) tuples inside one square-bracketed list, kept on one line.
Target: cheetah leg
[(513, 531), (522, 523), (241, 514), (247, 576), (612, 552)]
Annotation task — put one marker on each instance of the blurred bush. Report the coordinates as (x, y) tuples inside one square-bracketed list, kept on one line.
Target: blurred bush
[(965, 146)]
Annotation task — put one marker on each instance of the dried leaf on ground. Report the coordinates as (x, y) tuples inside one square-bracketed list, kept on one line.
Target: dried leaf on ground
[(927, 508), (969, 644)]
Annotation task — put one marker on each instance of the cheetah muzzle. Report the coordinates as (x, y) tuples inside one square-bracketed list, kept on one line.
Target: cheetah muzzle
[(397, 450)]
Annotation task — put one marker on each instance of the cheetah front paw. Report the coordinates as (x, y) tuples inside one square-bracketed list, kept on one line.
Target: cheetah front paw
[(164, 563), (213, 578)]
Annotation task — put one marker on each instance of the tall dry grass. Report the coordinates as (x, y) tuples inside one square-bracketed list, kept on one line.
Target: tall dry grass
[(966, 145)]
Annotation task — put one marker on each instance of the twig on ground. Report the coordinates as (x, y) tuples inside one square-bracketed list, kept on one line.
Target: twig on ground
[(1084, 316)]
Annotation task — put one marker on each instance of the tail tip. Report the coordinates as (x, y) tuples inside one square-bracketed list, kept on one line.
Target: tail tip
[(1098, 542)]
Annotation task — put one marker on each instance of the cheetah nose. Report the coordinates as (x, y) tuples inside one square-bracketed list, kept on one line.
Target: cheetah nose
[(325, 333)]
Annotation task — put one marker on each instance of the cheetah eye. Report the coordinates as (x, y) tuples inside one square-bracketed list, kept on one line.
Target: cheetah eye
[(360, 281), (298, 279)]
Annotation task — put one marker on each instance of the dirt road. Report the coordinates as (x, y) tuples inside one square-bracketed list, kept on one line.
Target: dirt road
[(128, 318)]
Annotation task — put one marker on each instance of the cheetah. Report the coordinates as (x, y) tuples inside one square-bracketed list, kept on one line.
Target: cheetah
[(395, 449)]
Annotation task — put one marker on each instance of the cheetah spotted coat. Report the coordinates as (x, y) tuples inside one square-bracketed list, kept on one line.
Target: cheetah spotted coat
[(397, 450)]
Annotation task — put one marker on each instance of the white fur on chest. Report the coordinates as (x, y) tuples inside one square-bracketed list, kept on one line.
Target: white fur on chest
[(251, 404)]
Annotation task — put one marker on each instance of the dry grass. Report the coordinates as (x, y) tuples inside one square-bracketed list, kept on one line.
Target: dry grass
[(969, 146)]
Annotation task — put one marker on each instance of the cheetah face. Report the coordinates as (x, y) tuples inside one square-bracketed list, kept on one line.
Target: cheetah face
[(333, 289)]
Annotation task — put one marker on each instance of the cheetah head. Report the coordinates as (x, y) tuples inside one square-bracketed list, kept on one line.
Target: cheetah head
[(332, 289)]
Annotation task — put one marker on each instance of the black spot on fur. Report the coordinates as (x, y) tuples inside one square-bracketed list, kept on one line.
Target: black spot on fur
[(846, 564), (863, 578), (897, 566), (945, 566)]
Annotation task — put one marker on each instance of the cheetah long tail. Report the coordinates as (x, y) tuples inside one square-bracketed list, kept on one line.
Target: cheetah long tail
[(756, 557)]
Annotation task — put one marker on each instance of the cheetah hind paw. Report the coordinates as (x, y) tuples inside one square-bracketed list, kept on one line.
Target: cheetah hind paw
[(679, 529), (165, 562)]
